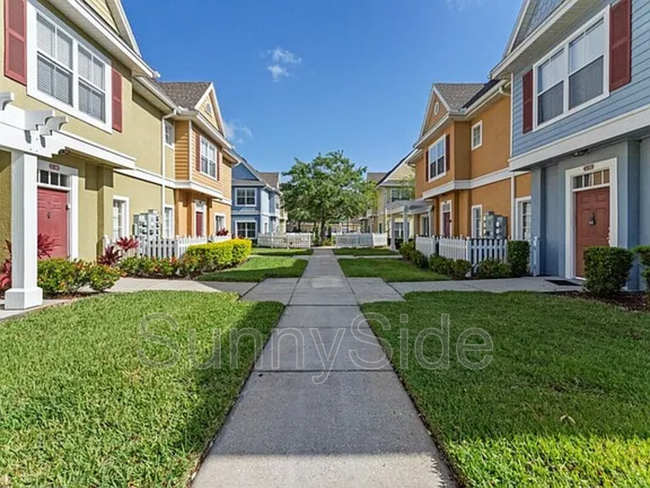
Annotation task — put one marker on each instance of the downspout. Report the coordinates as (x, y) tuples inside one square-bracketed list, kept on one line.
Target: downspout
[(163, 174)]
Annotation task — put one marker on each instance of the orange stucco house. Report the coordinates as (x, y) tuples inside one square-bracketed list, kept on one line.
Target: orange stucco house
[(461, 163)]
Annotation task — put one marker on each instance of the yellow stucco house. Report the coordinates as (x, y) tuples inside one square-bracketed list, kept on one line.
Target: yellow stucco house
[(90, 140), (461, 164)]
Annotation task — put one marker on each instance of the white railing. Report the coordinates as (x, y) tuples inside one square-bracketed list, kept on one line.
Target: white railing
[(475, 250), (164, 247), (361, 240), (292, 240)]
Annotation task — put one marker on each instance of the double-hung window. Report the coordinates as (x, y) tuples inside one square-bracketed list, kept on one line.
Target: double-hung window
[(524, 219), (574, 74), (245, 197), (247, 229), (169, 133), (477, 135), (477, 221), (438, 158), (208, 158), (398, 194), (65, 72)]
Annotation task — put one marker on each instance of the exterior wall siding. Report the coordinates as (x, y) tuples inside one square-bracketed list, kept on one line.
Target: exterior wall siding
[(103, 11), (494, 153), (626, 99)]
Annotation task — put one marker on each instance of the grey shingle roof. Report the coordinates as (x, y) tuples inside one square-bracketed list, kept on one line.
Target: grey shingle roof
[(271, 179), (458, 94), (185, 93), (376, 177), (238, 182), (486, 88)]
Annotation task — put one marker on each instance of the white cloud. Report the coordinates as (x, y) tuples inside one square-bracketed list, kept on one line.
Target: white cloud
[(460, 5), (236, 133), (282, 63)]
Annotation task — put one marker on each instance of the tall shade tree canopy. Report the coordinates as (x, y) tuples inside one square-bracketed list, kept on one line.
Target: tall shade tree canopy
[(328, 189)]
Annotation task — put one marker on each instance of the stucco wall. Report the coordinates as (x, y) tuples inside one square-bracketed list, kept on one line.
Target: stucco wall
[(494, 153), (5, 201)]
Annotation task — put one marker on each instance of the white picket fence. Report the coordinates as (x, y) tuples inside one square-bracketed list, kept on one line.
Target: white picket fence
[(475, 250), (285, 241), (361, 240), (163, 247)]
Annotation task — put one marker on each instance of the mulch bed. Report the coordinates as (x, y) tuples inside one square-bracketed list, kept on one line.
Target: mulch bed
[(632, 301)]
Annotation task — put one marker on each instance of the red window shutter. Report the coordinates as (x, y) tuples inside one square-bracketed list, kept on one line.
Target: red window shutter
[(117, 100), (448, 152), (426, 165), (528, 102), (16, 40), (198, 152), (620, 48)]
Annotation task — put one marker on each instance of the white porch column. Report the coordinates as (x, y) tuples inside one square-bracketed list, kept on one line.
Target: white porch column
[(406, 226), (24, 292), (431, 223), (392, 232)]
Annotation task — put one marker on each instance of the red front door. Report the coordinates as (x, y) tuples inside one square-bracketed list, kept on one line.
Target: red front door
[(446, 224), (199, 223), (53, 219), (592, 223)]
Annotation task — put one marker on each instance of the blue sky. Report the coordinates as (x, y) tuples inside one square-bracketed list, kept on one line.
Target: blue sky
[(298, 77)]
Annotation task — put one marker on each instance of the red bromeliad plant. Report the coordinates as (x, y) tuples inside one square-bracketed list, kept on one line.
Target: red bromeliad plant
[(222, 232), (127, 243), (110, 257), (45, 247)]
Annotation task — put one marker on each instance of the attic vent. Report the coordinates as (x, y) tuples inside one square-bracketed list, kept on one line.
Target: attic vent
[(208, 108), (436, 108)]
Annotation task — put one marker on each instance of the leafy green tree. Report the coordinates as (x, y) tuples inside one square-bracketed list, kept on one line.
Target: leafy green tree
[(328, 189)]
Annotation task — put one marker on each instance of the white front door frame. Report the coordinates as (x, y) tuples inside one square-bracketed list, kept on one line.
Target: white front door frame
[(73, 200), (570, 244)]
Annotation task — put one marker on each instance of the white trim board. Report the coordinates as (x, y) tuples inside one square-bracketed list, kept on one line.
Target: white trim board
[(609, 129), (570, 244), (478, 182)]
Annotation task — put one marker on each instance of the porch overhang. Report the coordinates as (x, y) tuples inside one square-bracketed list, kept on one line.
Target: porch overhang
[(412, 207)]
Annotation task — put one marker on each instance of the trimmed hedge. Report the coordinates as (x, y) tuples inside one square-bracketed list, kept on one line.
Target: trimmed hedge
[(60, 277), (607, 269), (493, 269), (518, 257), (206, 258)]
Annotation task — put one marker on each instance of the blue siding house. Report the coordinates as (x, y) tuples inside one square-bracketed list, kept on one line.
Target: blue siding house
[(257, 202), (580, 77)]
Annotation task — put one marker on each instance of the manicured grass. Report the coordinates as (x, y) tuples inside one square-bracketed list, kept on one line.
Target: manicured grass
[(265, 251), (388, 269), (377, 251), (259, 269), (79, 408), (564, 402)]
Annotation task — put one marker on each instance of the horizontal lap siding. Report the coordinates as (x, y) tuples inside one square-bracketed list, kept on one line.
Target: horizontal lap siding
[(626, 99)]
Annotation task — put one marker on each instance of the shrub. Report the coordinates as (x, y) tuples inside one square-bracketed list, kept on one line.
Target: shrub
[(407, 250), (190, 265), (61, 277), (518, 257), (241, 250), (607, 269), (460, 269), (491, 269), (145, 267), (440, 265), (644, 256), (101, 277), (45, 246), (110, 257), (420, 260)]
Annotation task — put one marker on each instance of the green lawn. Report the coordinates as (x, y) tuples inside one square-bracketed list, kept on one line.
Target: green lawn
[(78, 408), (261, 268), (265, 251), (564, 402), (357, 251), (390, 270)]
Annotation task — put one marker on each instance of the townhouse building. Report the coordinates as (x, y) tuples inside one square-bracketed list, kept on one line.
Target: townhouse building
[(257, 202), (89, 139), (580, 77), (463, 183)]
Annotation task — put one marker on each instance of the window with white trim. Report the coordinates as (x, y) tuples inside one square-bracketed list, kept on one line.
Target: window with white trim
[(120, 218), (477, 135), (247, 230), (219, 222), (438, 158), (596, 178), (53, 178), (245, 197), (400, 194), (169, 222), (477, 221), (524, 220), (208, 158), (574, 74), (425, 225), (69, 71), (169, 132)]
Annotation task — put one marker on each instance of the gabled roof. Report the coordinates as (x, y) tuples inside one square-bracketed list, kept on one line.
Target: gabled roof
[(186, 94), (395, 168), (486, 88), (456, 95), (122, 22), (532, 15), (271, 179), (376, 177)]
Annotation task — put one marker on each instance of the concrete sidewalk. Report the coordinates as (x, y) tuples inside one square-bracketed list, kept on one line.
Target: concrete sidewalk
[(542, 284), (323, 406)]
